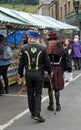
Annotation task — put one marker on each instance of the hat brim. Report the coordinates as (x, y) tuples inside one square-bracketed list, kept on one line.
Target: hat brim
[(52, 38), (33, 37)]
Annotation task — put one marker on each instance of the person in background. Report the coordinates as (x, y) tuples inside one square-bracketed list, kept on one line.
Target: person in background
[(34, 59), (4, 64), (68, 75), (55, 52), (26, 40), (76, 53), (41, 41)]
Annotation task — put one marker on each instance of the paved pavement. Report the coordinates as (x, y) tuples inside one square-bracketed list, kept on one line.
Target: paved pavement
[(15, 115)]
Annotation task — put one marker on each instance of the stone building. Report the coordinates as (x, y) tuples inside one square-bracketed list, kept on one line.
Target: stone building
[(43, 7), (62, 10)]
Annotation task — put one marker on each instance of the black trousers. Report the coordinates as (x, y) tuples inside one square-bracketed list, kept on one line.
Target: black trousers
[(1, 87), (3, 73), (34, 91), (77, 63)]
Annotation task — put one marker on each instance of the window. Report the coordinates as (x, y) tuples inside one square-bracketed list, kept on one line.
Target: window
[(69, 4), (61, 13), (65, 10)]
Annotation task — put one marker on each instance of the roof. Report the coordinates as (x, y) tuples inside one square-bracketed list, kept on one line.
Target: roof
[(47, 1), (28, 19), (6, 18)]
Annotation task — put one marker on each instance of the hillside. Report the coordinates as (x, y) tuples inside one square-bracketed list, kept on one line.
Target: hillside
[(21, 7)]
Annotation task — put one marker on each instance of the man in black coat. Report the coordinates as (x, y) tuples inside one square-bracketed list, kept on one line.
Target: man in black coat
[(35, 60)]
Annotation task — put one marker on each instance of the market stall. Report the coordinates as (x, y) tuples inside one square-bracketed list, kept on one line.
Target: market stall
[(13, 68), (13, 20)]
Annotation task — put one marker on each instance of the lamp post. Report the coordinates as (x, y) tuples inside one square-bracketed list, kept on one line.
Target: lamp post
[(76, 4)]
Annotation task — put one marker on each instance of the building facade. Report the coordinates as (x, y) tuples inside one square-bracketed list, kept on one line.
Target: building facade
[(62, 10), (43, 7), (59, 9)]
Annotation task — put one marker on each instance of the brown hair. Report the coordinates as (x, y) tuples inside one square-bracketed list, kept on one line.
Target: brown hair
[(1, 37)]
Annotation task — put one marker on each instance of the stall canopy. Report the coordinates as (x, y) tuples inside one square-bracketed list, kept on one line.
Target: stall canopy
[(8, 20), (5, 18), (29, 19)]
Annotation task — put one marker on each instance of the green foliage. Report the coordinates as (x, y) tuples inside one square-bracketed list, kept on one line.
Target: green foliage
[(33, 2), (21, 7)]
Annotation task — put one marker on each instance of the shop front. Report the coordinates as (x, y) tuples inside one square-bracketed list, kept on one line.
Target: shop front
[(75, 19)]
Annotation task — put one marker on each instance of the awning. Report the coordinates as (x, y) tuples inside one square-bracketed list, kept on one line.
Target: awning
[(36, 20), (5, 18)]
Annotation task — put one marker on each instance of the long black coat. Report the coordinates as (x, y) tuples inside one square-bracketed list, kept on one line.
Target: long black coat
[(58, 80), (67, 60)]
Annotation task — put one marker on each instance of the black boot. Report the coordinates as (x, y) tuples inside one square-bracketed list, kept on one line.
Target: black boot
[(50, 107), (57, 95), (39, 119), (6, 90), (58, 107)]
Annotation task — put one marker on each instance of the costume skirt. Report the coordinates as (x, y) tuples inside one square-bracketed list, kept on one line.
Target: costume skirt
[(58, 79)]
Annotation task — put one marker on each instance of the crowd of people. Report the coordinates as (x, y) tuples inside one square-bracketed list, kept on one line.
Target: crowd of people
[(37, 58)]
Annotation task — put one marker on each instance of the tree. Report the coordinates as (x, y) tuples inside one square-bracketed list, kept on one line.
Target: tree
[(32, 2)]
